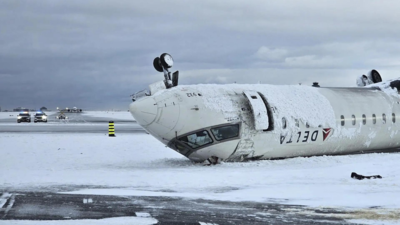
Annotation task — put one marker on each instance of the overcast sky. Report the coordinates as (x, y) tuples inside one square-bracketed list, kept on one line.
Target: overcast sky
[(95, 54)]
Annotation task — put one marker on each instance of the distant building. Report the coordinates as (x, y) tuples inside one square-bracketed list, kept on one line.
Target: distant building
[(19, 109), (68, 110)]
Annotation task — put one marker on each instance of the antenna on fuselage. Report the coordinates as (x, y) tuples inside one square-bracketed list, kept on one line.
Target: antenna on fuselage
[(162, 64)]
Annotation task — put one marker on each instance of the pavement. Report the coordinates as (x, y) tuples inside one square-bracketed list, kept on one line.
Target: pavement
[(166, 210)]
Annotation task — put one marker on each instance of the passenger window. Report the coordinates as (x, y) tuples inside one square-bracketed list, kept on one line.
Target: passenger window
[(197, 139), (342, 120), (283, 122), (353, 119), (225, 132), (393, 118), (373, 119), (364, 119), (307, 125), (383, 118)]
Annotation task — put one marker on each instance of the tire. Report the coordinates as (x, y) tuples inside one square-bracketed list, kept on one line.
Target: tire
[(157, 64), (163, 62), (18, 121)]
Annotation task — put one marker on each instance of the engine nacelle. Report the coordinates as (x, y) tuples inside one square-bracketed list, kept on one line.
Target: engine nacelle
[(371, 78)]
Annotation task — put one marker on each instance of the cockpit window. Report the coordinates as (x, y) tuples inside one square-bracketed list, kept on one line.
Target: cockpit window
[(181, 148), (197, 139), (225, 132)]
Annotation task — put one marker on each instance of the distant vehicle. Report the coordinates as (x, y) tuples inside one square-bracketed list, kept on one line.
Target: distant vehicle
[(61, 116), (74, 109), (24, 116), (40, 117)]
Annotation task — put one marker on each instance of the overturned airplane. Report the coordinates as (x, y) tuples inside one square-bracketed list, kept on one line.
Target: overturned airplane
[(236, 122)]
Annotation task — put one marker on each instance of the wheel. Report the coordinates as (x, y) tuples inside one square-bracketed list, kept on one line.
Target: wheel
[(166, 60), (18, 121), (35, 121), (45, 121), (157, 65)]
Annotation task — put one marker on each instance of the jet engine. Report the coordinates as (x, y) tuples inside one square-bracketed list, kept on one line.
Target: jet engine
[(371, 78)]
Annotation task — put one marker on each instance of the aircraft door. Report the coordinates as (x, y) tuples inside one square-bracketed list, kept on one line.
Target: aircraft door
[(259, 109)]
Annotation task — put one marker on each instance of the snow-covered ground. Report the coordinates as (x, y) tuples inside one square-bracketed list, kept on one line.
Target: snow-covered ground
[(137, 164), (7, 115), (121, 115)]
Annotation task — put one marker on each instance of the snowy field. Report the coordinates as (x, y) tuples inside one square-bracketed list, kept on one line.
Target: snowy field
[(120, 115), (139, 165)]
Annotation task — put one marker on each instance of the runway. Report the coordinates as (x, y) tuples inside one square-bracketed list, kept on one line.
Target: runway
[(165, 210), (76, 123)]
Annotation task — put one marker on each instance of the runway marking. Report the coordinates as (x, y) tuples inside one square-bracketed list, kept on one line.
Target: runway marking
[(203, 223), (4, 198), (142, 214), (9, 206)]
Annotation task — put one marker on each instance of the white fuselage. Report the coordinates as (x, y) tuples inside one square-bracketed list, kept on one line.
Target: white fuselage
[(237, 122)]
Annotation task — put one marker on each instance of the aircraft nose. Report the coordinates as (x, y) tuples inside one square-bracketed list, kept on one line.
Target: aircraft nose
[(144, 111)]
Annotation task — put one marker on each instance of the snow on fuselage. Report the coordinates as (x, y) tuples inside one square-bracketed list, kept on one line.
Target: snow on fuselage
[(237, 122)]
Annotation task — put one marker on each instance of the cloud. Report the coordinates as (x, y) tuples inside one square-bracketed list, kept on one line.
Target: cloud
[(266, 53), (94, 53), (311, 61), (361, 54)]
